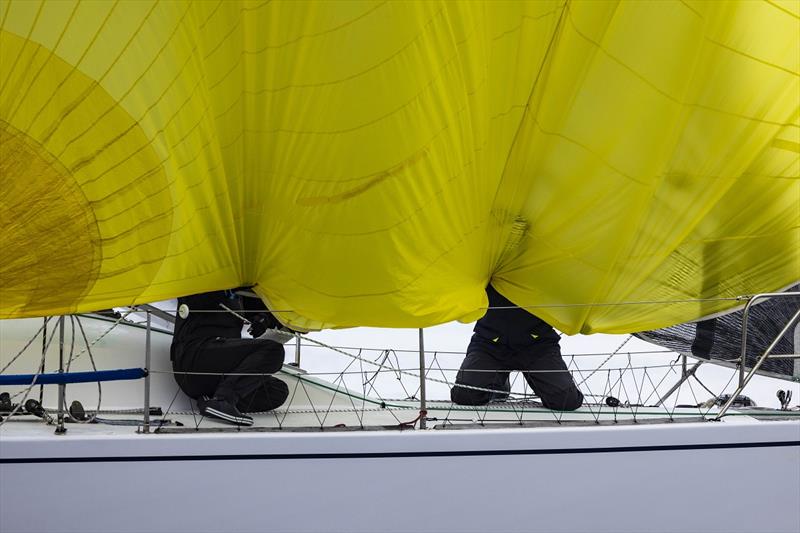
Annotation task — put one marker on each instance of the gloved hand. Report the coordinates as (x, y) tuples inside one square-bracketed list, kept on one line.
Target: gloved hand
[(261, 322)]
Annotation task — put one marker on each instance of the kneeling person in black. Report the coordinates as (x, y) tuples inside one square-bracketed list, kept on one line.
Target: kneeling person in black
[(513, 339), (209, 341)]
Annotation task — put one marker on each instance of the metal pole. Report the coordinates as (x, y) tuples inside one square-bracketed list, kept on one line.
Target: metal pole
[(297, 350), (422, 406), (745, 315), (686, 375), (757, 364), (41, 368), (146, 425), (743, 357), (62, 387)]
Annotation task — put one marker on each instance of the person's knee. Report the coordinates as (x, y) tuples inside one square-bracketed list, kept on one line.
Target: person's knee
[(272, 365), (272, 357), (272, 393), (464, 396), (276, 393), (573, 401), (568, 400), (279, 390)]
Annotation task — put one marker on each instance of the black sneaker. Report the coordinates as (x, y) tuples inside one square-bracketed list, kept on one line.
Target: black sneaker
[(224, 410)]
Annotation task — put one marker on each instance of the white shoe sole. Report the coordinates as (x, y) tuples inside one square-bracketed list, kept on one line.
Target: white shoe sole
[(230, 418)]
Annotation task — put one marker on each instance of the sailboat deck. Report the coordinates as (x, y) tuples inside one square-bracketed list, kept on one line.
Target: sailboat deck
[(28, 427), (316, 406), (363, 395)]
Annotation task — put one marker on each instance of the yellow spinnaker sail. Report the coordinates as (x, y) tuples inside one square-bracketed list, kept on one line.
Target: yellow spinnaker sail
[(377, 163)]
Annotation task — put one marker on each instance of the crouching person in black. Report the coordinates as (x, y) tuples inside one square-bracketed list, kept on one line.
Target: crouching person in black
[(209, 341), (514, 339)]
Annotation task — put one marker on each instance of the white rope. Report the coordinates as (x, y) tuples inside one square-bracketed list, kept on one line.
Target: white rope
[(26, 346), (98, 339), (532, 306), (33, 382), (612, 354)]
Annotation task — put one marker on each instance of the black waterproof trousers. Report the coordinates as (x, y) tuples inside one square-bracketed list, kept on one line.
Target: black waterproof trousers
[(488, 366), (219, 356)]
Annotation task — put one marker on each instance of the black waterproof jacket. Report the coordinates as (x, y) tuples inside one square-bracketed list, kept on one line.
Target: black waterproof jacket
[(208, 320), (512, 328)]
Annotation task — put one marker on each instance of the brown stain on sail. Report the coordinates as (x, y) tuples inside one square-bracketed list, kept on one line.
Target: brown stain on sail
[(364, 187)]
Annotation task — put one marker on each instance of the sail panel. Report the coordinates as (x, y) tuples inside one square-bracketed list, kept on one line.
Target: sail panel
[(373, 163)]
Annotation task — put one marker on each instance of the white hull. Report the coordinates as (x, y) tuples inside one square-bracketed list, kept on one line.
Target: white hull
[(728, 476), (741, 474)]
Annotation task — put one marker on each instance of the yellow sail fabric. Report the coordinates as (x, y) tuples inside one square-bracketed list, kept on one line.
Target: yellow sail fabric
[(377, 163)]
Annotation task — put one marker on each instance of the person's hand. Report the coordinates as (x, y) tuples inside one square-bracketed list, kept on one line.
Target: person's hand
[(261, 322)]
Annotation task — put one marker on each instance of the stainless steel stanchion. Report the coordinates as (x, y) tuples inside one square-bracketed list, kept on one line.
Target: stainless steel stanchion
[(423, 409), (62, 387), (146, 424), (763, 357), (41, 367)]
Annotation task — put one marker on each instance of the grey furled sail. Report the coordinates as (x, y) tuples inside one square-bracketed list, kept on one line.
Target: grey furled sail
[(718, 339)]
